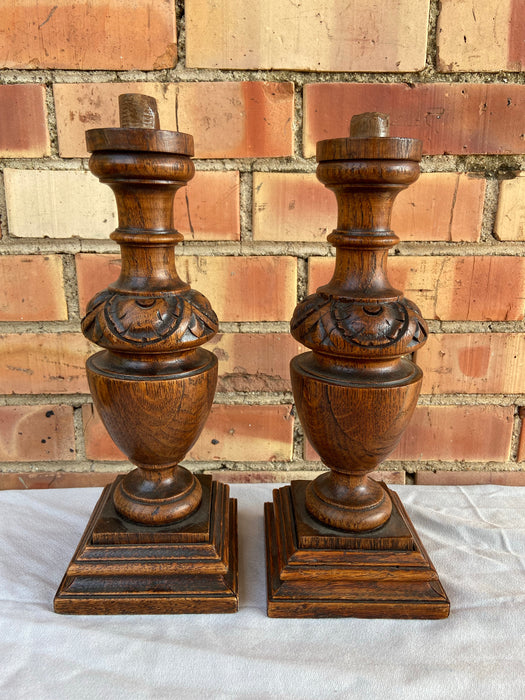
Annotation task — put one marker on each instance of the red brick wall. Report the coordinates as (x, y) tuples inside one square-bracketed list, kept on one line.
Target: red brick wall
[(258, 84)]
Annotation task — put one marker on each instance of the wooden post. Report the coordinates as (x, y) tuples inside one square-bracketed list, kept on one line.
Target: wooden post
[(343, 545), (160, 540)]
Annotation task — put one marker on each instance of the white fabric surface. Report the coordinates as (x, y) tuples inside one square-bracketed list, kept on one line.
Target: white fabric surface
[(475, 536)]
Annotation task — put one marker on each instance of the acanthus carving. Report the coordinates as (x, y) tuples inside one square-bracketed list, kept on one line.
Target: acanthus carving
[(162, 323), (342, 326)]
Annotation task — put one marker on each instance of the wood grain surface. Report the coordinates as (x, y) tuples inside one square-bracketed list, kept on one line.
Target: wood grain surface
[(342, 545), (161, 540)]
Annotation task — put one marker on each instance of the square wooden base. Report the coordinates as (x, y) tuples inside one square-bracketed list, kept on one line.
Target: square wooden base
[(124, 568), (317, 571)]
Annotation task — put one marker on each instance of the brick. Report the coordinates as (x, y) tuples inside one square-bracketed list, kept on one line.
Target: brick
[(238, 120), (94, 273), (449, 118), (481, 288), (227, 476), (473, 288), (104, 34), (245, 288), (470, 478), (361, 35), (390, 477), (456, 363), (32, 288), (58, 204), (479, 35), (208, 209), (451, 433), (23, 122), (291, 207), (246, 433), (254, 361), (36, 433), (232, 284), (54, 480), (510, 217), (43, 363), (473, 363), (234, 433), (280, 477), (438, 207), (227, 119), (68, 203)]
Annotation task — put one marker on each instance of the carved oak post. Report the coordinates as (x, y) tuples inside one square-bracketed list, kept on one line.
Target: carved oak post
[(161, 539), (355, 393)]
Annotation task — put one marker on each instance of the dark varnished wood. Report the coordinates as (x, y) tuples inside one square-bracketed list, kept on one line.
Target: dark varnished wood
[(328, 577), (343, 545), (313, 533), (122, 568), (153, 386)]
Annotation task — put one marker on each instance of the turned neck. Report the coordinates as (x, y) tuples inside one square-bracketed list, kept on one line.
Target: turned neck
[(366, 172), (361, 274), (144, 185), (363, 209), (148, 266), (148, 205)]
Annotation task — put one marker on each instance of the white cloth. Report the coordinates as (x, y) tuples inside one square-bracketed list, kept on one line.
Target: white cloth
[(475, 536)]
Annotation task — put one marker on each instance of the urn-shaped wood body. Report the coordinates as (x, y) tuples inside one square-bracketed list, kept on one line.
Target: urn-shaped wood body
[(152, 385), (361, 426), (342, 544), (356, 391), (160, 540)]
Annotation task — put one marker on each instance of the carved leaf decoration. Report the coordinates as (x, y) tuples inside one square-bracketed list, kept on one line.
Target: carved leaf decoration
[(204, 319), (99, 299), (420, 333), (196, 327), (327, 322), (375, 325), (143, 319), (91, 326), (319, 332), (199, 318), (307, 314), (184, 318)]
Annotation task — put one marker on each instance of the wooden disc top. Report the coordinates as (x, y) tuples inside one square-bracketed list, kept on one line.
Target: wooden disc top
[(369, 140), (139, 131), (134, 139)]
